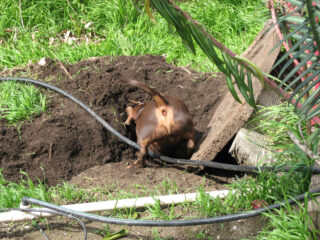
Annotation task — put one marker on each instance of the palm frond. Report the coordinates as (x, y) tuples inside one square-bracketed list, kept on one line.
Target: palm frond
[(304, 32), (238, 71), (303, 37)]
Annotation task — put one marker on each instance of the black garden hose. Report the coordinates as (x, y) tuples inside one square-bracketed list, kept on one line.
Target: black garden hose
[(169, 223), (230, 167), (54, 209), (51, 212)]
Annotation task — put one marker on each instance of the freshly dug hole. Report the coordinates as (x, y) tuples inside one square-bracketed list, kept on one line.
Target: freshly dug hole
[(66, 140)]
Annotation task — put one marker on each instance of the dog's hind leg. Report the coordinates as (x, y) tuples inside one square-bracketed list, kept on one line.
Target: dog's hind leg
[(143, 153), (190, 144), (133, 113)]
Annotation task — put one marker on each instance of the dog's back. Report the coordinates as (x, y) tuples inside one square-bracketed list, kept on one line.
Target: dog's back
[(161, 124)]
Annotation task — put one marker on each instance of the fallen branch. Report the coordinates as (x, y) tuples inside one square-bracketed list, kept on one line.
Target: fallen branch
[(303, 147)]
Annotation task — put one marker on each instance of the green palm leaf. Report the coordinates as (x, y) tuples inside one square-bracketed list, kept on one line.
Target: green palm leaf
[(296, 81), (235, 69), (304, 32)]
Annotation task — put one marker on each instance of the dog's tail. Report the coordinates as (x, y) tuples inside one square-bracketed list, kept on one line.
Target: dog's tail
[(157, 97)]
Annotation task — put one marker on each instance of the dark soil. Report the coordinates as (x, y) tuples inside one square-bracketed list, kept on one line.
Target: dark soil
[(66, 143), (66, 140)]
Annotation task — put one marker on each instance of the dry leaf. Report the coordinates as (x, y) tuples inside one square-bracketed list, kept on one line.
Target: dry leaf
[(42, 61)]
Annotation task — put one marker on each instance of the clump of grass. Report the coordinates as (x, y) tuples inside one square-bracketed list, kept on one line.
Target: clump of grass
[(20, 102), (209, 206), (290, 222), (11, 193), (124, 213), (275, 121), (66, 193), (158, 212), (167, 186)]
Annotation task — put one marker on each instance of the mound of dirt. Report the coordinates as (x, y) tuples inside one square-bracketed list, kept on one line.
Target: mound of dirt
[(65, 140)]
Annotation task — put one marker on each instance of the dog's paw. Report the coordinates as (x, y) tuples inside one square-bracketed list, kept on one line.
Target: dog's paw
[(139, 163)]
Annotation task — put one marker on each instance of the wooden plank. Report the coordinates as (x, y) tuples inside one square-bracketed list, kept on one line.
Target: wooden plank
[(230, 116)]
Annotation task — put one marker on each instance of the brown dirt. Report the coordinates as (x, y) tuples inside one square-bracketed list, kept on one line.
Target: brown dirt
[(66, 143), (59, 228), (73, 139)]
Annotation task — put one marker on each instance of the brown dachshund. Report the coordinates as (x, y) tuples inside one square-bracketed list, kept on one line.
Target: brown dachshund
[(161, 124)]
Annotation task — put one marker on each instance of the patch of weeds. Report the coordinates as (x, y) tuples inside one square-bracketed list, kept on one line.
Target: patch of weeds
[(267, 186), (157, 212), (275, 121), (69, 193), (208, 206), (20, 102), (124, 213), (290, 222), (121, 194), (11, 193), (167, 186)]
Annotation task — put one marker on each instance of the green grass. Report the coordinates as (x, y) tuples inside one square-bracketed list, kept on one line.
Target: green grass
[(156, 211), (19, 102), (275, 121), (114, 27), (290, 222), (11, 193)]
